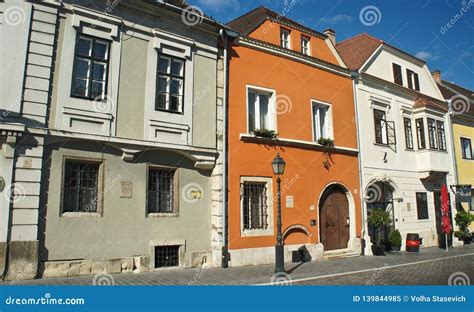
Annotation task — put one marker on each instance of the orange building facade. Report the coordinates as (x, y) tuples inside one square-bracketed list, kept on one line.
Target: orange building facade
[(287, 80)]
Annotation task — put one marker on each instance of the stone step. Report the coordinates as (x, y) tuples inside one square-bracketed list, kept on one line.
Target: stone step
[(340, 255)]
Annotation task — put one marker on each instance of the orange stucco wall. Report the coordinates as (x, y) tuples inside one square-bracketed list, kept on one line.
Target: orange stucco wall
[(305, 177), (270, 32)]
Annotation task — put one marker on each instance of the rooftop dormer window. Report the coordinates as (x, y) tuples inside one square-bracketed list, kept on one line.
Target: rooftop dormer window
[(413, 82), (397, 74), (305, 49), (285, 38)]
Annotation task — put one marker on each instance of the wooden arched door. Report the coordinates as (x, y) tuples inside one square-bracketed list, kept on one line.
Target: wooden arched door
[(334, 219)]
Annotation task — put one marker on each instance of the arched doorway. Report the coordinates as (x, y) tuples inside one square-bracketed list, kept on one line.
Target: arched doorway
[(334, 218), (380, 196)]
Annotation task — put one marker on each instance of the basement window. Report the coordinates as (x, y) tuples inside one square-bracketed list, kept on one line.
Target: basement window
[(166, 256)]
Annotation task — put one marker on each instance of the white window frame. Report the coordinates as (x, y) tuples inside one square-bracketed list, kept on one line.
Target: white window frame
[(269, 231), (285, 38), (305, 45), (384, 127), (272, 122), (329, 123)]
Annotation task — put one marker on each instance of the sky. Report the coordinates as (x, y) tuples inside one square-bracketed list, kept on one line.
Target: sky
[(418, 27)]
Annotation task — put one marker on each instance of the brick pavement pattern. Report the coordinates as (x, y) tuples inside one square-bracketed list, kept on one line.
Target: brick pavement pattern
[(435, 269)]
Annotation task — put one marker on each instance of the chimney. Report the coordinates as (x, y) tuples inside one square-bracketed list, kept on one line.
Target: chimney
[(331, 35), (436, 75)]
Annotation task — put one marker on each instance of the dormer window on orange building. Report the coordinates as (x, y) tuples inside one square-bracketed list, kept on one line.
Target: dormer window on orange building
[(305, 49), (285, 38)]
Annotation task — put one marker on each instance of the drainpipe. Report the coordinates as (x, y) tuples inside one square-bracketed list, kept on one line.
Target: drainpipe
[(453, 152), (355, 77)]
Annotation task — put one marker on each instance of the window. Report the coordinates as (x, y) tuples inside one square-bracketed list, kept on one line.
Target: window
[(254, 205), (161, 191), (408, 133), (285, 38), (397, 74), (441, 135), (170, 84), (420, 133), (166, 256), (305, 49), (91, 60), (413, 82), (422, 206), (80, 187), (380, 122), (432, 134), (321, 121), (466, 148), (259, 110)]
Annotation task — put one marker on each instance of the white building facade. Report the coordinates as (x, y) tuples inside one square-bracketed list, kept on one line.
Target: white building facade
[(404, 140)]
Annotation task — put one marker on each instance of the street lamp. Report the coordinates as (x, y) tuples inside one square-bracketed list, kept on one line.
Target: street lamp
[(278, 166)]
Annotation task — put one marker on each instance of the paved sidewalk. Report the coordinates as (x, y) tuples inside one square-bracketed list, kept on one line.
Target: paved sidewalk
[(395, 268)]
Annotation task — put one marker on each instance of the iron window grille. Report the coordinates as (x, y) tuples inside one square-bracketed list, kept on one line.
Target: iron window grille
[(91, 66), (166, 256), (170, 84), (254, 204), (161, 191), (408, 133), (420, 133), (80, 193), (422, 205)]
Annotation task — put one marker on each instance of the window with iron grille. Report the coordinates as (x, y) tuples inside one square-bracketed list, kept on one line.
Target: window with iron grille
[(166, 256), (420, 133), (91, 61), (80, 190), (170, 84), (161, 191), (408, 133), (422, 205), (254, 204)]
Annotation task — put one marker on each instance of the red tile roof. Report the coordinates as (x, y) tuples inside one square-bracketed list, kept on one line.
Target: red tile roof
[(462, 97), (356, 51), (248, 22), (424, 102)]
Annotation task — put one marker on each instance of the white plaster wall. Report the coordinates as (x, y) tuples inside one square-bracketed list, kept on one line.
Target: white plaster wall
[(382, 67)]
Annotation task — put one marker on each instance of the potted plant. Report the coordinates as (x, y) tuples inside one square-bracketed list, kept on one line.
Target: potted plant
[(463, 220), (265, 133), (326, 142), (395, 240), (379, 218)]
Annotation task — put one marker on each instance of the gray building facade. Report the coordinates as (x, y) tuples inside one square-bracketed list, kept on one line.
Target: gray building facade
[(111, 135)]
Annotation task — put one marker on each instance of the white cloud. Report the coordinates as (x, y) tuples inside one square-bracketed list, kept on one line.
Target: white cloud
[(426, 56), (219, 5), (333, 20)]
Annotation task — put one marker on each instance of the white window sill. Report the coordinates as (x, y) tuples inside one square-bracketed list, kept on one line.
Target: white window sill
[(297, 143), (81, 214), (254, 233), (162, 214)]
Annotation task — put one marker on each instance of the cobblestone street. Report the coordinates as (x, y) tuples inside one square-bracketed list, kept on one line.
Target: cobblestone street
[(431, 266)]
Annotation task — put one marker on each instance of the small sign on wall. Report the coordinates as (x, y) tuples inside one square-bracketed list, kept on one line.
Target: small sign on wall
[(126, 189), (289, 201)]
